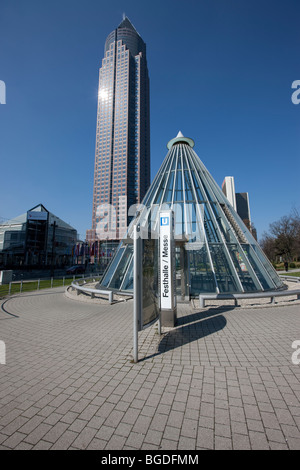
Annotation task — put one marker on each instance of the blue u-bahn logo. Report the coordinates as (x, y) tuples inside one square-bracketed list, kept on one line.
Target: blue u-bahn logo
[(164, 221)]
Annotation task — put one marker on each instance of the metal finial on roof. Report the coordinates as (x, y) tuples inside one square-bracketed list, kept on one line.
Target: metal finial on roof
[(180, 138)]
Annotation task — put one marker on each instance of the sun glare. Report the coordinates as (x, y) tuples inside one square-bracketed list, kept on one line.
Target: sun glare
[(103, 94)]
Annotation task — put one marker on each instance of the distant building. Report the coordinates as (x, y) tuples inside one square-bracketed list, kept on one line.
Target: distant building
[(240, 203), (36, 238), (229, 190)]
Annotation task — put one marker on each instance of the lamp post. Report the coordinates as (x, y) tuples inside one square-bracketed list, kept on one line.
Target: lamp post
[(54, 225)]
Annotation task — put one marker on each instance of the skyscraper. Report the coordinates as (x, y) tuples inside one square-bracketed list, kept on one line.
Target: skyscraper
[(229, 191), (122, 154)]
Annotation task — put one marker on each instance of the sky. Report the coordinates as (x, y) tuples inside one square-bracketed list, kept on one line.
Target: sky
[(221, 72)]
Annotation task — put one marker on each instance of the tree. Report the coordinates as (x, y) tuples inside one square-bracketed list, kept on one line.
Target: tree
[(268, 245), (284, 238)]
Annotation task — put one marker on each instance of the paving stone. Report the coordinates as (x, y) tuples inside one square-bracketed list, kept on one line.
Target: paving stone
[(72, 383)]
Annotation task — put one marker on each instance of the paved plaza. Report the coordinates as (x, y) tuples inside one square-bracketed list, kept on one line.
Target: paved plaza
[(222, 379)]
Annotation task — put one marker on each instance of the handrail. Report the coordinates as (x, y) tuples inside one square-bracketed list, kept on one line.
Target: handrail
[(252, 295), (92, 291), (286, 277)]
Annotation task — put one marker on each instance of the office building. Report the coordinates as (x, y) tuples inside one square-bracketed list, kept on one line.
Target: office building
[(36, 238), (229, 190), (122, 154)]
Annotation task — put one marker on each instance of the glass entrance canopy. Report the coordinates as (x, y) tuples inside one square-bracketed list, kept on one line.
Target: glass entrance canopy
[(215, 252)]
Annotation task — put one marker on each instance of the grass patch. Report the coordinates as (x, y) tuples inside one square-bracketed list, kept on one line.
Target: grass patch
[(29, 286), (297, 274)]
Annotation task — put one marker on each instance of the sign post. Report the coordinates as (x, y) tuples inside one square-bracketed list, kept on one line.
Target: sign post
[(168, 305), (137, 290)]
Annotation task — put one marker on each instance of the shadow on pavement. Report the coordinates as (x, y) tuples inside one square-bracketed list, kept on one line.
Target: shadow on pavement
[(192, 327)]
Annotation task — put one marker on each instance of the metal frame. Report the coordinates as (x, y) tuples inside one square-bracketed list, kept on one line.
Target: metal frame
[(215, 219)]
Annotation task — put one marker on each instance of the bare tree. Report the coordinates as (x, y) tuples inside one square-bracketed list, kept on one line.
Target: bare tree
[(284, 238), (268, 245)]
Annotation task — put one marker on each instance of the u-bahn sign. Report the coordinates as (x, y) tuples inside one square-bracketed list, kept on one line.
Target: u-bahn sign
[(167, 263)]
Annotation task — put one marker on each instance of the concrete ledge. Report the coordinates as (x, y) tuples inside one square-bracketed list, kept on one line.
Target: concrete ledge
[(289, 278), (93, 292), (256, 295)]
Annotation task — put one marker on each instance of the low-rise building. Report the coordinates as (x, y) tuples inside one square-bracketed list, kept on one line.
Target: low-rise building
[(36, 238)]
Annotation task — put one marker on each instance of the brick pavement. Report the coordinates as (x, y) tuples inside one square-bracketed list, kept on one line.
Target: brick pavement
[(222, 379)]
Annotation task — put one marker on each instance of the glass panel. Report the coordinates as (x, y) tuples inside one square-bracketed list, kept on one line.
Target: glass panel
[(178, 209), (160, 192), (179, 163), (264, 280), (154, 210), (189, 196), (173, 163), (211, 232), (238, 259), (178, 270), (118, 276), (223, 224), (184, 162), (201, 276), (107, 276), (192, 222), (169, 191), (225, 279), (267, 265), (200, 196), (178, 195), (128, 281)]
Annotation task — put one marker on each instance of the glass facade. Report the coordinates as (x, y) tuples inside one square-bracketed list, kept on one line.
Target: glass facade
[(215, 252), (31, 240), (122, 154)]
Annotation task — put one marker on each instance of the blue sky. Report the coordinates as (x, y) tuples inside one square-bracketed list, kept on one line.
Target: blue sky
[(221, 71)]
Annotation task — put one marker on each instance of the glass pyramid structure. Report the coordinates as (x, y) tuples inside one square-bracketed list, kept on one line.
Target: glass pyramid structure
[(214, 251)]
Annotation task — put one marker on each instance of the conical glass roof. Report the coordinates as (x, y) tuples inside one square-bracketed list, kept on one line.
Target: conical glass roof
[(216, 253)]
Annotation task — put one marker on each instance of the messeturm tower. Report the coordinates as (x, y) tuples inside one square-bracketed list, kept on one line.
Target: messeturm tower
[(122, 153)]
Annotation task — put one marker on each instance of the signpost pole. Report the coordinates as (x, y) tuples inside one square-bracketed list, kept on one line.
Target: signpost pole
[(136, 292)]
